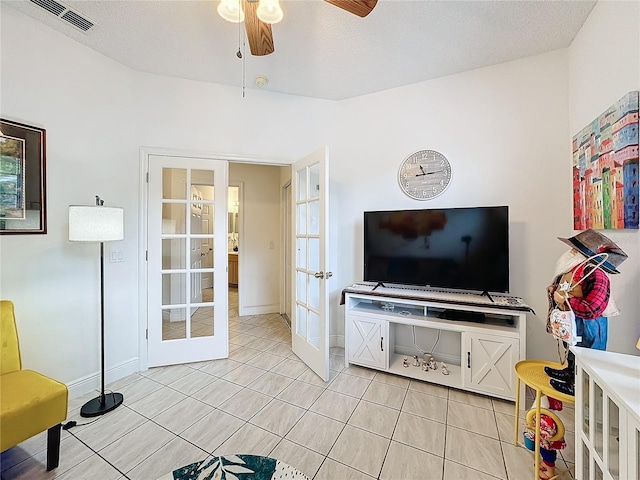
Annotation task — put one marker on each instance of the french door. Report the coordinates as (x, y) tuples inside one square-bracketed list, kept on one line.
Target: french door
[(310, 217), (187, 301)]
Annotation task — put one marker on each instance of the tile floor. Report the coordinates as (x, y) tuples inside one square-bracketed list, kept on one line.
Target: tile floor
[(263, 400), (201, 320)]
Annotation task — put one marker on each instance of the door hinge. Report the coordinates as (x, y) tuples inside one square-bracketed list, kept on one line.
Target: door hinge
[(147, 177), (146, 255), (146, 334)]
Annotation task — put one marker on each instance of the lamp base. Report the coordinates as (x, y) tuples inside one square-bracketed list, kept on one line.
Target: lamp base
[(101, 405)]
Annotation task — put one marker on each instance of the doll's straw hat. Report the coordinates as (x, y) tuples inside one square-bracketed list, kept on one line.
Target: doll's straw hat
[(591, 243)]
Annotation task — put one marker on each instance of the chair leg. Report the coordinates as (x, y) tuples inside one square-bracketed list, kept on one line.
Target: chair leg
[(53, 446)]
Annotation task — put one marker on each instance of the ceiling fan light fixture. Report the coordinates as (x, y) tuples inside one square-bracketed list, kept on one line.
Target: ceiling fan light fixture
[(231, 11), (269, 11)]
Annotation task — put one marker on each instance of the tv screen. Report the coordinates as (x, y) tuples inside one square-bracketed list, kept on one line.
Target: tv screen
[(458, 248)]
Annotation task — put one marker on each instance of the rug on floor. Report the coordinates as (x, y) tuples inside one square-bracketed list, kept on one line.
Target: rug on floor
[(236, 467)]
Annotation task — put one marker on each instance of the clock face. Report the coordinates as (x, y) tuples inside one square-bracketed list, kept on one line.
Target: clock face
[(424, 175)]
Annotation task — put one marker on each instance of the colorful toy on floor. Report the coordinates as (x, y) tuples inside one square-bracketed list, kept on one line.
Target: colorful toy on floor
[(551, 437)]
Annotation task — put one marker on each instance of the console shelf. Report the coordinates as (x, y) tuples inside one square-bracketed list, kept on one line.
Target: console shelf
[(480, 345), (454, 379)]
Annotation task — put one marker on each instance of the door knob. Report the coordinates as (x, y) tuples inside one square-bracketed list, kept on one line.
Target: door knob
[(319, 274)]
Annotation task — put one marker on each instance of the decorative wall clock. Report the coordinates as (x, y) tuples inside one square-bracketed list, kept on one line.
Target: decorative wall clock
[(424, 174)]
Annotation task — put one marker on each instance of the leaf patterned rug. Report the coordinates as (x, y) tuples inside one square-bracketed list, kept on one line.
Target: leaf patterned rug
[(236, 467)]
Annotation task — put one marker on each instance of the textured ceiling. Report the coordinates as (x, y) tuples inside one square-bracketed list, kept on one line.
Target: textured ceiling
[(320, 50)]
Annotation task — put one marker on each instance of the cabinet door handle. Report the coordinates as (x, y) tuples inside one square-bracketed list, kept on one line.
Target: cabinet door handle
[(381, 348), (468, 359)]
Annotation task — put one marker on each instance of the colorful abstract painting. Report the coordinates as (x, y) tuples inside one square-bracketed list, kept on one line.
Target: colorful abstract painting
[(605, 169)]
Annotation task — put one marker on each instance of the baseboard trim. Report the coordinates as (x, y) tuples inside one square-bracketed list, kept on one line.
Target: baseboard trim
[(336, 341), (92, 381), (259, 310)]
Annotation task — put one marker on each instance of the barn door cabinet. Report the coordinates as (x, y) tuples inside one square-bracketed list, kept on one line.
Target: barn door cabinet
[(607, 415), (381, 331)]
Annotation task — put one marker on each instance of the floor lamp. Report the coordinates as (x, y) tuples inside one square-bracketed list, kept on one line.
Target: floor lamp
[(98, 224)]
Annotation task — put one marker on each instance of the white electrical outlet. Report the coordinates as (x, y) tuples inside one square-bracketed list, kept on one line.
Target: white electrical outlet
[(272, 245)]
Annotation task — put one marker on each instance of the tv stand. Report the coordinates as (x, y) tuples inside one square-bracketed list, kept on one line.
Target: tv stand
[(379, 284), (480, 339)]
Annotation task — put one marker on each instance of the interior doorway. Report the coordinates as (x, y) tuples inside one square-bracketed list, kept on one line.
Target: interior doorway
[(260, 236)]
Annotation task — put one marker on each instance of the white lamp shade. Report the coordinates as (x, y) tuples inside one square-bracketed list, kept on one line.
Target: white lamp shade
[(231, 11), (269, 11), (95, 224)]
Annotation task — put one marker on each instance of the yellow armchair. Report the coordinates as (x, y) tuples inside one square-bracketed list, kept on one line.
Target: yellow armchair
[(30, 403)]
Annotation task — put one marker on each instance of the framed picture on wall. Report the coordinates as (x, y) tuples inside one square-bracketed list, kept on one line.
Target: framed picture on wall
[(22, 179)]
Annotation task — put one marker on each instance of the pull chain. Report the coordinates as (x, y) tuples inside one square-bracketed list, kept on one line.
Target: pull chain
[(240, 55)]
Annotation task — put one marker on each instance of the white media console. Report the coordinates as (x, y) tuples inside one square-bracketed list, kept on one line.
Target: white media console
[(485, 337)]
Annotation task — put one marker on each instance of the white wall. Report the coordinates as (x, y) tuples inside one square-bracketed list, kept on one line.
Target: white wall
[(604, 65), (197, 116), (85, 102)]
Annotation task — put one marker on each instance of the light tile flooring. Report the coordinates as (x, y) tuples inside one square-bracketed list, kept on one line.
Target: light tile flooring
[(263, 400), (201, 320)]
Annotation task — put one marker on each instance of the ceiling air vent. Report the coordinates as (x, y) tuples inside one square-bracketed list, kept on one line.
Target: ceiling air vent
[(65, 13), (50, 6), (74, 19)]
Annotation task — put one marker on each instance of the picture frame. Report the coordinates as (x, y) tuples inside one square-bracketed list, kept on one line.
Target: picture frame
[(23, 200)]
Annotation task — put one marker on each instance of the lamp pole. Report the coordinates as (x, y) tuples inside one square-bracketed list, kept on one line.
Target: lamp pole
[(102, 398)]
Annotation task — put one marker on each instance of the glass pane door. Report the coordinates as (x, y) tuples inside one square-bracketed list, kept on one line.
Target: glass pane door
[(310, 328), (187, 260)]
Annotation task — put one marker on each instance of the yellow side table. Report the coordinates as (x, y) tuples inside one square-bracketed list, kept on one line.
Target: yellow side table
[(531, 372)]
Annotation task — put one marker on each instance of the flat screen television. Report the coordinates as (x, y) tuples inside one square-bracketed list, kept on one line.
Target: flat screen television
[(455, 248)]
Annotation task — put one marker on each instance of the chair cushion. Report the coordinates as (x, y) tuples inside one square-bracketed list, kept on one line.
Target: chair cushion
[(30, 403)]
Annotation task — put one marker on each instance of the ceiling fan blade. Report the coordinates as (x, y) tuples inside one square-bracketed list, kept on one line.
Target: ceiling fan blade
[(362, 8), (258, 32)]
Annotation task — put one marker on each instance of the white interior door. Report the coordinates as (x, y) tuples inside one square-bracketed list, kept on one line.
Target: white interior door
[(186, 321), (310, 217)]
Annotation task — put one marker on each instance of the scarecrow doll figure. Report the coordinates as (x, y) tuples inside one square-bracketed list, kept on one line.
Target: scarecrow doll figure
[(581, 281)]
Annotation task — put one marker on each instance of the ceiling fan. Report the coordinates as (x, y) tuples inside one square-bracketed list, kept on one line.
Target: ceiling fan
[(259, 15)]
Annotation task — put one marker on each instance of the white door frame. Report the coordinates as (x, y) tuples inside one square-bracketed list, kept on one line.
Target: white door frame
[(241, 256), (145, 152), (285, 293)]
